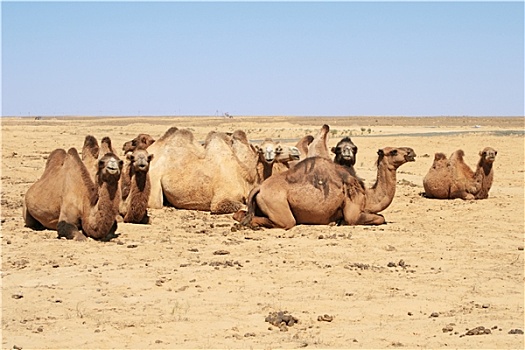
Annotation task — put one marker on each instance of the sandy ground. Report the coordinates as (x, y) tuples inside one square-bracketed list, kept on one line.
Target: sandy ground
[(438, 269)]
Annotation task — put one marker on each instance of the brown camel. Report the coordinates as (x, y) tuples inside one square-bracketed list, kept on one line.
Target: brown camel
[(135, 194), (453, 178), (141, 141), (66, 199), (190, 176), (319, 191)]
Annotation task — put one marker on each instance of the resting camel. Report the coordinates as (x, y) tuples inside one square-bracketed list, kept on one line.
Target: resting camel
[(453, 178), (135, 193), (190, 176), (273, 158), (66, 199), (319, 191)]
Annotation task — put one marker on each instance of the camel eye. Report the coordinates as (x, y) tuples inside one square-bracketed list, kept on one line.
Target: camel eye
[(495, 153), (393, 152), (101, 164)]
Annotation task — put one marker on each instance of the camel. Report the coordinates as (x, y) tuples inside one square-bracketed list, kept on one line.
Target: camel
[(141, 141), (66, 199), (273, 157), (319, 191), (453, 178), (135, 193), (190, 176)]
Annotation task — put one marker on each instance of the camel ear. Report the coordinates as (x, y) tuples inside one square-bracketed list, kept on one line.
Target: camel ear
[(130, 157), (258, 149), (333, 150), (150, 157), (380, 152)]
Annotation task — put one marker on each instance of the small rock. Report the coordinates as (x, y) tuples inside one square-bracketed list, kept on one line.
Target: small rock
[(391, 264), (326, 318), (516, 331), (448, 328), (221, 252), (434, 314), (17, 296), (246, 335), (485, 306), (132, 246), (520, 247), (15, 347)]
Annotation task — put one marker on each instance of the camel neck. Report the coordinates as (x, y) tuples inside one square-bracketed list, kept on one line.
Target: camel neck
[(381, 194)]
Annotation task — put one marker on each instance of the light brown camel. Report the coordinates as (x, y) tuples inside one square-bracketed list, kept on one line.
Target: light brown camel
[(190, 176), (135, 194), (319, 191), (142, 141), (273, 158), (453, 178), (66, 199)]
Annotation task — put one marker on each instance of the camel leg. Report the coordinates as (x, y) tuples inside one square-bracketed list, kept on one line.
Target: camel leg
[(69, 231), (371, 219), (278, 211), (155, 197), (30, 221), (352, 209)]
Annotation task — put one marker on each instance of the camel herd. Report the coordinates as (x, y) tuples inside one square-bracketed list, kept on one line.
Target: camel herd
[(263, 185)]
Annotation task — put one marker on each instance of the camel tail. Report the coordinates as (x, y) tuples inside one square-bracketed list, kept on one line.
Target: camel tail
[(252, 205)]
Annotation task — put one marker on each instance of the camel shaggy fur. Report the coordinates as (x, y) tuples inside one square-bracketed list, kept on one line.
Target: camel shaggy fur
[(66, 199), (319, 191), (134, 204), (453, 178), (190, 176)]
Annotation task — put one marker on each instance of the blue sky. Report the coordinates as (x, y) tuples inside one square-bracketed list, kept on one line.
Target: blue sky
[(263, 58)]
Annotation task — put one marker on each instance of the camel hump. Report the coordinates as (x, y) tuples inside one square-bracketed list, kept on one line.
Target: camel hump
[(439, 156), (90, 141), (239, 135), (73, 152), (459, 154), (168, 133)]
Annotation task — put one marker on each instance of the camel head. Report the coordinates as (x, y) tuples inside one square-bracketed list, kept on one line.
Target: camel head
[(345, 152), (488, 155), (395, 157), (268, 150), (140, 160), (141, 141), (288, 154), (109, 168)]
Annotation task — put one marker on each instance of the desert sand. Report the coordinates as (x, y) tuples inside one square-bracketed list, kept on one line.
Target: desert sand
[(427, 279)]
